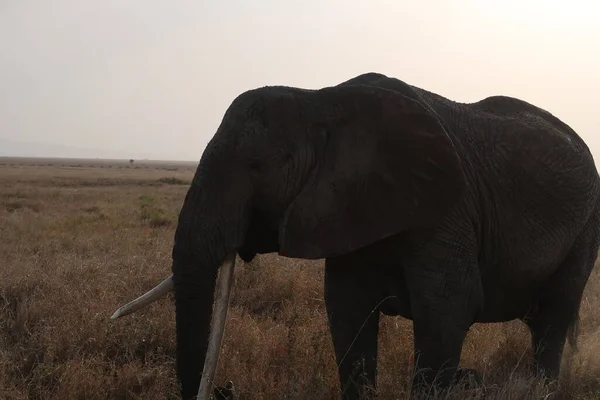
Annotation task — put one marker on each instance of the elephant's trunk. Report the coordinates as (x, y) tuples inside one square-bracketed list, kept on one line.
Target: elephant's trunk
[(209, 232), (194, 309)]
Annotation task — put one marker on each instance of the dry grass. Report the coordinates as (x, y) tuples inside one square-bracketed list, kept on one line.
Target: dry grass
[(78, 241)]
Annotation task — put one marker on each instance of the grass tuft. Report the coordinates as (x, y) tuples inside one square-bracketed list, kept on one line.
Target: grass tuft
[(152, 214), (174, 181)]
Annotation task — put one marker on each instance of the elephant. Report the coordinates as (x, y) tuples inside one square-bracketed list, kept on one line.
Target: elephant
[(441, 212)]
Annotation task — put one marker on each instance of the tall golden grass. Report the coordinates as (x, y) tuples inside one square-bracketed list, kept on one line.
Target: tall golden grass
[(77, 240)]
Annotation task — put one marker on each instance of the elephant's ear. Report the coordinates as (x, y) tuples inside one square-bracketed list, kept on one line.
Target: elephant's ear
[(388, 165)]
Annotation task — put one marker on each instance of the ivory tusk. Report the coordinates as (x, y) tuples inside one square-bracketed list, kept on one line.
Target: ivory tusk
[(152, 295), (217, 326)]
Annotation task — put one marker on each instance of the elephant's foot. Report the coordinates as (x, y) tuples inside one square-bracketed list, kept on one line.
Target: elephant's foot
[(226, 392), (443, 385), (467, 378)]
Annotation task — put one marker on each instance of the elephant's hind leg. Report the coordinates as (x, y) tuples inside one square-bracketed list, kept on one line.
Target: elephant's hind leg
[(558, 307)]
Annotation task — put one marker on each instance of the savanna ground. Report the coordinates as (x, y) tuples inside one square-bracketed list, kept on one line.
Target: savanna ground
[(79, 238)]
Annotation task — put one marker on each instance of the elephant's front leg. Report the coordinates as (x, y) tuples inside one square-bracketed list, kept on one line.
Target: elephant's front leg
[(354, 323), (438, 345), (445, 296)]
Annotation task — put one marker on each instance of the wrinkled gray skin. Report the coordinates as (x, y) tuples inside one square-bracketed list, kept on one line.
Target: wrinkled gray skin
[(441, 212)]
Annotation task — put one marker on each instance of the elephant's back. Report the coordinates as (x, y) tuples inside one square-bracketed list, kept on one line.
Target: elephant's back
[(536, 176), (535, 148), (539, 122), (520, 155)]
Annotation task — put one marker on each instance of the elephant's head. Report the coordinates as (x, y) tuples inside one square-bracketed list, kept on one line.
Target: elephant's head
[(308, 174)]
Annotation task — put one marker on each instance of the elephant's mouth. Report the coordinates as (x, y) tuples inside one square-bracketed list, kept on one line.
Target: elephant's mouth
[(217, 326)]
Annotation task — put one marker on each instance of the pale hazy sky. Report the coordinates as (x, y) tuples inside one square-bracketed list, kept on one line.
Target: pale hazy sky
[(153, 78)]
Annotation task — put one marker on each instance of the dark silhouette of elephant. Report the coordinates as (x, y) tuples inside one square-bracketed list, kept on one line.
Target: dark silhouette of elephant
[(442, 212)]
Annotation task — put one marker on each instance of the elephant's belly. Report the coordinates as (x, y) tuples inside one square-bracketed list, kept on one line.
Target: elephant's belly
[(502, 307), (394, 306), (395, 300), (509, 295)]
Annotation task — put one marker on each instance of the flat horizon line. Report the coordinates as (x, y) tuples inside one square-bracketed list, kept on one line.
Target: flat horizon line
[(98, 159)]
